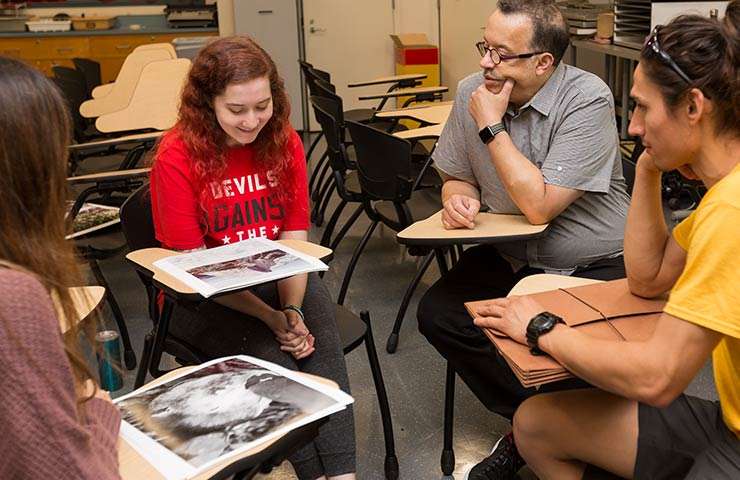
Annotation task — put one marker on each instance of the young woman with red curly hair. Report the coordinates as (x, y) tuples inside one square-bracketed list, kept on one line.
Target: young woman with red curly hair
[(233, 168)]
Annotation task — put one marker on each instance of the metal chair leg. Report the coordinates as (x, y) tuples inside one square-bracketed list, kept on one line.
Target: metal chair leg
[(391, 462), (351, 221), (392, 343), (329, 229), (325, 202), (312, 147), (146, 358), (353, 261), (317, 213), (317, 177), (129, 357), (447, 461)]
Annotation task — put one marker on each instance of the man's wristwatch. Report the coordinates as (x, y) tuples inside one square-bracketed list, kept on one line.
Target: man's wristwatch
[(538, 326), (488, 133)]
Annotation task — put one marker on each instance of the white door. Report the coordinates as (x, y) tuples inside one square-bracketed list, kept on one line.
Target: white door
[(350, 40), (274, 25)]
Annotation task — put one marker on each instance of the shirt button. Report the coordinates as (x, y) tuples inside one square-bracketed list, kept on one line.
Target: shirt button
[(560, 169)]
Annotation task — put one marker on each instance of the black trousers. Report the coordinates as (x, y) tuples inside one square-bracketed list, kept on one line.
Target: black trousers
[(481, 273)]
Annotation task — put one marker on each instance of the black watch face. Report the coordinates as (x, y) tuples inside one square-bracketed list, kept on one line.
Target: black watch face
[(541, 321)]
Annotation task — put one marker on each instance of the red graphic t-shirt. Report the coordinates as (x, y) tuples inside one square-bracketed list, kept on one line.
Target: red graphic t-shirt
[(245, 203)]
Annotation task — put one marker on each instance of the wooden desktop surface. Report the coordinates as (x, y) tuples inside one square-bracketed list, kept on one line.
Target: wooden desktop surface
[(391, 79), (543, 282), (110, 176), (405, 92), (132, 466), (154, 101), (432, 113), (432, 131), (118, 96), (86, 300), (489, 228), (112, 142)]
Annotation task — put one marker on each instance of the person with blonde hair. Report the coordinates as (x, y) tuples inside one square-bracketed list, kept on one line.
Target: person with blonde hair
[(55, 421)]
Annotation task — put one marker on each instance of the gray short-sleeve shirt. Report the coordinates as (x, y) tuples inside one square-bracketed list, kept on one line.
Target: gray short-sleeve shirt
[(568, 131)]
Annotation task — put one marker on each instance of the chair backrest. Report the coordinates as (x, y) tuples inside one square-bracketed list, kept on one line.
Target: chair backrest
[(383, 163), (316, 77), (91, 71), (154, 101), (317, 73), (71, 83), (329, 115), (137, 222)]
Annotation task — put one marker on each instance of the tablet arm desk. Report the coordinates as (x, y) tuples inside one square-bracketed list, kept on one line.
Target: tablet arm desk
[(422, 94), (176, 291), (490, 228), (397, 81)]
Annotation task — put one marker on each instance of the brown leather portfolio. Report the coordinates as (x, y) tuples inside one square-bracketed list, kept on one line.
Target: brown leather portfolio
[(603, 310)]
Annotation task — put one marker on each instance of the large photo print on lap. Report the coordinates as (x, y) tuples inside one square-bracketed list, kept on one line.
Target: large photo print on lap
[(221, 409)]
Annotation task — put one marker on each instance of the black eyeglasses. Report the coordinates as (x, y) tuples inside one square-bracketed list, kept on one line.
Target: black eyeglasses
[(655, 46), (498, 57)]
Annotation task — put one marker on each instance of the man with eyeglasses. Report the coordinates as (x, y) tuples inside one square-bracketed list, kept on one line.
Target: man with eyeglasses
[(528, 135)]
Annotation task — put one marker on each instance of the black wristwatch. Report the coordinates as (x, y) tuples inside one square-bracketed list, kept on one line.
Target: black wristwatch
[(488, 133), (538, 326)]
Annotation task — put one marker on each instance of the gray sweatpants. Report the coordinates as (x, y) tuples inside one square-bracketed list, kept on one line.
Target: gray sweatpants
[(220, 331)]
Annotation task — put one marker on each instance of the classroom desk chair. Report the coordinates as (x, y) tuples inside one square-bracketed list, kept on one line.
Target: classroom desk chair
[(489, 228), (138, 227)]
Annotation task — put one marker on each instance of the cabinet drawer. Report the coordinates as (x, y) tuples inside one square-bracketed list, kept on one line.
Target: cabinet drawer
[(60, 47), (16, 47), (117, 45)]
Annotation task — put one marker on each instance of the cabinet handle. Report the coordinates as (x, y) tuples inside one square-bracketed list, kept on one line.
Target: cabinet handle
[(65, 49), (123, 47), (263, 12)]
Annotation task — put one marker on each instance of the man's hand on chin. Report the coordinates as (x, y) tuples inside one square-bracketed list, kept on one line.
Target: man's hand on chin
[(488, 108)]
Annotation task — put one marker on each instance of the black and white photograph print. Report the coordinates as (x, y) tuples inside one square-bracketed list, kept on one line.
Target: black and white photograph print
[(220, 409)]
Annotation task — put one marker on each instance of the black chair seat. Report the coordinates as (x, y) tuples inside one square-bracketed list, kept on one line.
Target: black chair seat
[(361, 115), (351, 329)]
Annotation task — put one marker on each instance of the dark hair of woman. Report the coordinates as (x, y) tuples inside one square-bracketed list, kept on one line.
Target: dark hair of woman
[(34, 134), (223, 62), (707, 51)]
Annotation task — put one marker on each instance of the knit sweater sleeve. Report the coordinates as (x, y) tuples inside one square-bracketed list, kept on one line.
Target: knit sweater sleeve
[(43, 435)]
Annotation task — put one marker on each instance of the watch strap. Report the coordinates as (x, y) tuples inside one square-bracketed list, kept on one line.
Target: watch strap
[(533, 335), (487, 134)]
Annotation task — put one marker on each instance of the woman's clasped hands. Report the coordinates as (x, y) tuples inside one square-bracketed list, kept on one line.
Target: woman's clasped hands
[(292, 334)]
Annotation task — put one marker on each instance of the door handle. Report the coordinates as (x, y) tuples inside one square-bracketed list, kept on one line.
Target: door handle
[(316, 30)]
